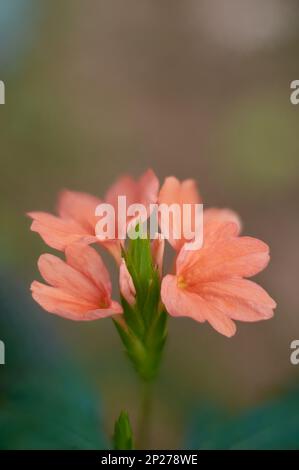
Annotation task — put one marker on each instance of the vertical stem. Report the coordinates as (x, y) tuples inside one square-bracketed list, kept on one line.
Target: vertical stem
[(144, 415)]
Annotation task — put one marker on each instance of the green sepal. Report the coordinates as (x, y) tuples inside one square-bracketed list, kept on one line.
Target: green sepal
[(123, 434), (143, 326)]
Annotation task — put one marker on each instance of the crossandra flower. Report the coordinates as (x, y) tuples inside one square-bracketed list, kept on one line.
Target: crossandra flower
[(210, 283), (76, 220), (79, 288)]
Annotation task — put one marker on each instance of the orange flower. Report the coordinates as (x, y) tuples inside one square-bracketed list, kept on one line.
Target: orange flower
[(209, 283), (76, 219), (79, 289), (175, 192)]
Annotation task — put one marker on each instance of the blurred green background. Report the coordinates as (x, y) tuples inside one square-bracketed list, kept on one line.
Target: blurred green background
[(198, 89)]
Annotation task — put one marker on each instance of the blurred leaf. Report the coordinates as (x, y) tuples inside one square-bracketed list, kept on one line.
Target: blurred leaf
[(44, 401), (123, 435), (274, 425)]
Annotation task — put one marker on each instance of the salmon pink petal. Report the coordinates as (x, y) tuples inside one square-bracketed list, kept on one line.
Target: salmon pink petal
[(232, 257), (126, 284), (148, 188), (174, 191), (240, 299), (143, 191), (218, 320), (238, 309), (157, 249), (244, 289), (220, 223), (170, 191), (189, 192), (87, 261), (59, 274), (79, 207), (114, 309), (179, 193), (124, 186), (56, 232), (171, 229), (60, 302), (179, 302)]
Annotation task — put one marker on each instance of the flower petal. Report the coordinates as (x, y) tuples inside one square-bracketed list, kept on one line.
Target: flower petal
[(181, 302), (157, 249), (126, 284), (114, 309), (59, 274), (123, 186), (87, 261), (220, 223), (56, 232), (231, 257), (240, 299), (179, 193), (143, 191), (174, 191), (80, 207), (218, 320), (60, 302), (148, 187)]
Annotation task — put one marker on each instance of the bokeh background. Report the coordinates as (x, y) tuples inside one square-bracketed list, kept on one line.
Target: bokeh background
[(193, 88)]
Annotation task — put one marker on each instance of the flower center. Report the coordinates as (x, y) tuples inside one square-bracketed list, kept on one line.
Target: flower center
[(103, 303), (181, 282)]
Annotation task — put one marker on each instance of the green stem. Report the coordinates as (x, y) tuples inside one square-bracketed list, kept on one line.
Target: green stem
[(144, 415)]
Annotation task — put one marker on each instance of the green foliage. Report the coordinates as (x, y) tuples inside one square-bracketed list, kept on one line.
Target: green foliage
[(274, 425), (123, 435), (144, 329), (45, 401)]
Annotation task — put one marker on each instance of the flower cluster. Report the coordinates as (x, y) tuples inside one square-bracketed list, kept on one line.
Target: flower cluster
[(209, 284)]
